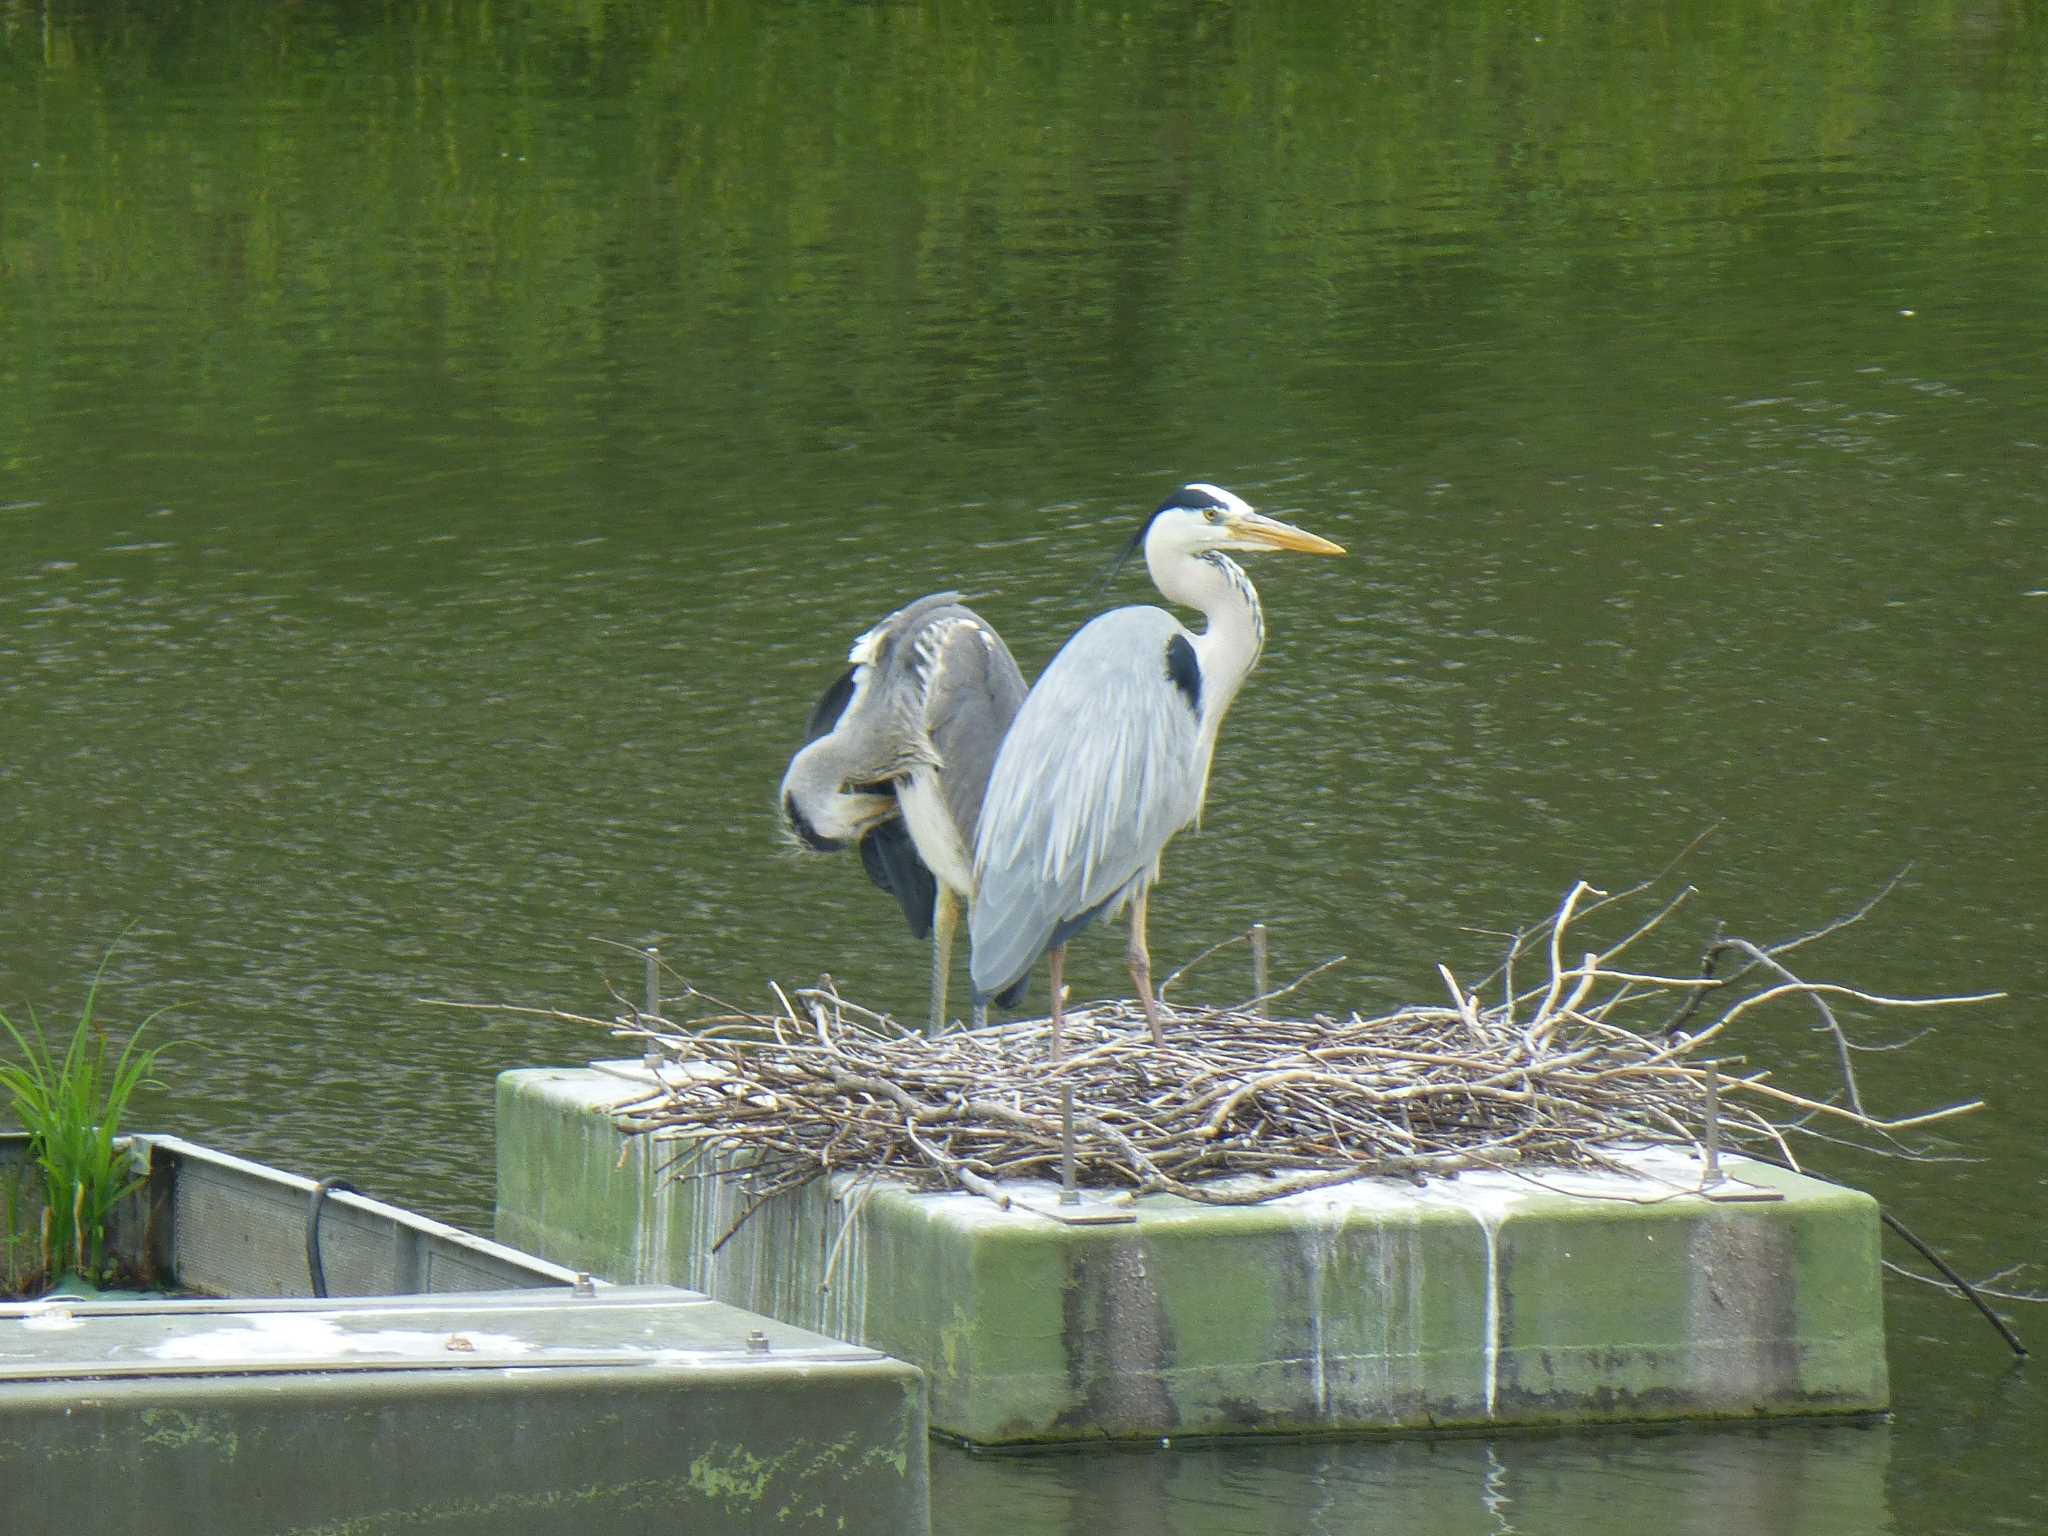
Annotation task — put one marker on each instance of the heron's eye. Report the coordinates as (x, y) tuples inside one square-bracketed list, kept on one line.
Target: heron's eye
[(1212, 514)]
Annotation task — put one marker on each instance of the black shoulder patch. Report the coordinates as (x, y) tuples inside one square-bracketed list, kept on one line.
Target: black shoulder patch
[(1184, 671)]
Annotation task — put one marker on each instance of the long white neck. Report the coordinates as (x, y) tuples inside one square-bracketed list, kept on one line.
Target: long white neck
[(816, 785), (1229, 648)]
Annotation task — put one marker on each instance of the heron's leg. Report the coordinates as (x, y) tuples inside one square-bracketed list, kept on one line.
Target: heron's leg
[(945, 918), (1140, 957), (1058, 957)]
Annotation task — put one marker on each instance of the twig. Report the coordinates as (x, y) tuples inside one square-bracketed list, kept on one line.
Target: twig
[(1240, 1106), (1968, 1290)]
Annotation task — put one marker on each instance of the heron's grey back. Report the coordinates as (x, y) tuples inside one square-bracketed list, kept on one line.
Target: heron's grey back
[(874, 714), (919, 713)]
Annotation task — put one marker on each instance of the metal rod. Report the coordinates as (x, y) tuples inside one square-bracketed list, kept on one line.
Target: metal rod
[(1069, 1193), (1710, 1168), (1261, 976), (652, 1055)]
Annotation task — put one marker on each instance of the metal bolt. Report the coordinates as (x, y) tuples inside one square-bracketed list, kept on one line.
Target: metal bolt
[(757, 1343), (584, 1285)]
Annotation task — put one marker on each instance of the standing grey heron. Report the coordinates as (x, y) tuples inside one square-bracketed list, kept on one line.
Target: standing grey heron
[(897, 755), (1109, 757)]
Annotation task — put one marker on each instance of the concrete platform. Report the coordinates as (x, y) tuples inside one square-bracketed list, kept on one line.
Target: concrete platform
[(613, 1411), (446, 1383), (1487, 1300)]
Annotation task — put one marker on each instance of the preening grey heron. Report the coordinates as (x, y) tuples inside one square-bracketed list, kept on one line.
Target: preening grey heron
[(897, 755), (1109, 757)]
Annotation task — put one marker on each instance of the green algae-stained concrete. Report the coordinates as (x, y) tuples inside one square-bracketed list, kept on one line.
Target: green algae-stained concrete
[(622, 1412), (1487, 1300)]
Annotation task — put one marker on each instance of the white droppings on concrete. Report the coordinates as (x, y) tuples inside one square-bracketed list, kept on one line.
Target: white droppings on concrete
[(1487, 1200), (651, 1239), (272, 1337), (1323, 1238)]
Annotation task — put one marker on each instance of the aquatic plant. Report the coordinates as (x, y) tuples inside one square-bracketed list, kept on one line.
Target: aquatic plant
[(71, 1107)]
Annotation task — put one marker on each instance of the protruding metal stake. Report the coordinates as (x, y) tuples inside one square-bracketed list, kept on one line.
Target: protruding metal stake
[(652, 1056), (757, 1342), (1710, 1168), (1261, 977), (1069, 1193)]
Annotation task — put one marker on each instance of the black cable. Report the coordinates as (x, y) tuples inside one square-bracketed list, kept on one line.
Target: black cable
[(314, 1267)]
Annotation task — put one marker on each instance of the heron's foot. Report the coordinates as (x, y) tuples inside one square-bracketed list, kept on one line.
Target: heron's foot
[(1141, 973), (1153, 1016), (1139, 957)]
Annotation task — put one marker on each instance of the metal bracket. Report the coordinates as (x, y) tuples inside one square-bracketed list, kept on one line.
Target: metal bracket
[(1079, 1213), (1750, 1194)]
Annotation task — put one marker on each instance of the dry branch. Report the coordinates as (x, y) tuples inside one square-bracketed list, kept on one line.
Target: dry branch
[(1238, 1106)]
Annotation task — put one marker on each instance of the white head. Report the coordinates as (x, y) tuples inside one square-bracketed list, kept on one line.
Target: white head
[(1199, 518)]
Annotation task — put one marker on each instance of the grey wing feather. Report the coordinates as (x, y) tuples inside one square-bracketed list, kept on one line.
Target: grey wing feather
[(904, 623), (870, 730), (893, 733), (974, 694), (883, 732), (1099, 770)]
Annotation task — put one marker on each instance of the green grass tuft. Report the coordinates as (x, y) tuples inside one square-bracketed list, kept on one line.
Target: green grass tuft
[(71, 1107)]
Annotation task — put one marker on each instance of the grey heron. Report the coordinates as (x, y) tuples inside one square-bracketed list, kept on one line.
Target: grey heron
[(897, 755), (1109, 757)]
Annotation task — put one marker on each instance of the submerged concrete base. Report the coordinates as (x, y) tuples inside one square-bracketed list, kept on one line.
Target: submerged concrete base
[(511, 1413), (1485, 1300)]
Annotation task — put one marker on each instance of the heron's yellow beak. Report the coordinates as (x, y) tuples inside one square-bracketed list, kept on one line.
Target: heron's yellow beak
[(1262, 532)]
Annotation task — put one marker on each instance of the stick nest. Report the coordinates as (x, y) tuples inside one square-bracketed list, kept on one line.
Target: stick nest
[(1241, 1106)]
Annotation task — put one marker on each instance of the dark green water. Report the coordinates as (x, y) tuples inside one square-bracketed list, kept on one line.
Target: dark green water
[(445, 449)]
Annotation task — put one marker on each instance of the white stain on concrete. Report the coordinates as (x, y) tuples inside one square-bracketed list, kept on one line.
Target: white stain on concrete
[(1488, 1204), (50, 1316), (288, 1337)]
